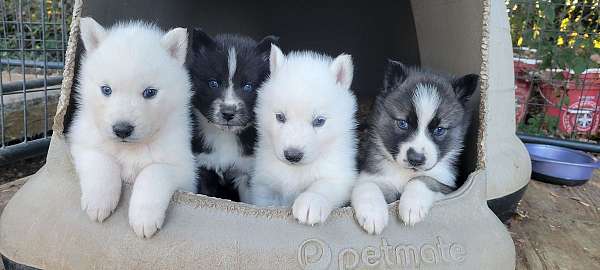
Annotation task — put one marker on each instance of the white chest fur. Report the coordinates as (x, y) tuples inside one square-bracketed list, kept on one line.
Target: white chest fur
[(226, 151)]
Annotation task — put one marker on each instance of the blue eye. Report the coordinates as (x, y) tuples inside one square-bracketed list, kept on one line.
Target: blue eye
[(402, 124), (149, 92), (213, 84), (319, 121), (106, 90), (280, 117), (439, 131), (248, 87)]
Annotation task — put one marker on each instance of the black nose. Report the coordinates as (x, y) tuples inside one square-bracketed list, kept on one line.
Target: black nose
[(228, 112), (415, 159), (122, 129), (228, 116), (293, 155)]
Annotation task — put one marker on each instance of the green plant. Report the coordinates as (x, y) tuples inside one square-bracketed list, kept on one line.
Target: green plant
[(564, 32), (540, 124)]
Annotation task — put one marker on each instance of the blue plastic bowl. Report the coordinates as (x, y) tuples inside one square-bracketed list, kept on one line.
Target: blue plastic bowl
[(559, 165)]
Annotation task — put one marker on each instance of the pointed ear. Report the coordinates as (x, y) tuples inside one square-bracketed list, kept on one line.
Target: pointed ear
[(175, 42), (199, 39), (276, 58), (465, 86), (343, 69), (264, 45), (92, 33), (395, 73)]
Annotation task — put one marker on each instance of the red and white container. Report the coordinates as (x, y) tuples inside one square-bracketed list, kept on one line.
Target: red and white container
[(523, 67), (582, 113)]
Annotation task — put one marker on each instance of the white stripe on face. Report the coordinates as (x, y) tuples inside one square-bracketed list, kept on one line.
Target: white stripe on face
[(230, 97), (426, 101), (231, 63)]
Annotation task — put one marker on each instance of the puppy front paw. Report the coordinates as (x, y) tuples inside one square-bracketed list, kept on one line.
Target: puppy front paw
[(311, 208), (145, 219), (413, 210), (373, 217), (99, 204)]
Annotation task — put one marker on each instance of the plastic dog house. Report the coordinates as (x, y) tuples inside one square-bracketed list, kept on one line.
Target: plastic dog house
[(43, 226)]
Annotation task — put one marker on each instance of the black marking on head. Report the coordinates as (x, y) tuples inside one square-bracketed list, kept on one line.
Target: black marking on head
[(395, 73), (396, 102), (208, 60), (465, 86), (264, 46), (199, 40)]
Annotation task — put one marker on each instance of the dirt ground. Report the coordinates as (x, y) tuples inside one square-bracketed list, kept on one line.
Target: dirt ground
[(21, 169), (556, 227)]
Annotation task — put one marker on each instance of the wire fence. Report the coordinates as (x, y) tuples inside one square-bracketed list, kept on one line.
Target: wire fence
[(557, 67), (33, 40)]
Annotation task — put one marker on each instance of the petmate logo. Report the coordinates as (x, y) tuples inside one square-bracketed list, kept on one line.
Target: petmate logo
[(314, 254)]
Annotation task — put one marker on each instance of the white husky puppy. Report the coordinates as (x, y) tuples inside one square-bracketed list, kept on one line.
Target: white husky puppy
[(305, 156), (132, 123)]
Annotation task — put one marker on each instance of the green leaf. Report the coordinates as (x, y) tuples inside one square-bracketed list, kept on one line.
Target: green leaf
[(580, 65)]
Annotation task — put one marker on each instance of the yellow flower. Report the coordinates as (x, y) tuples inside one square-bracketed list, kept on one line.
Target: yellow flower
[(563, 24), (520, 41), (560, 41)]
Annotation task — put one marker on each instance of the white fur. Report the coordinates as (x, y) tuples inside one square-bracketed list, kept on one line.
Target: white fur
[(157, 158), (426, 100), (226, 152), (304, 85), (372, 191)]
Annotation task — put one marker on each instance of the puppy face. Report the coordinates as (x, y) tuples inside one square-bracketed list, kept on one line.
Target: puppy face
[(132, 78), (421, 117), (306, 107), (225, 72)]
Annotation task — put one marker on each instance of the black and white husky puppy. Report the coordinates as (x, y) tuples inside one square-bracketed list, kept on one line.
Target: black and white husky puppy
[(415, 137), (225, 72)]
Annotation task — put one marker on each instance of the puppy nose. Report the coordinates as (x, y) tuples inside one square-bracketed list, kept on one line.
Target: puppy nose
[(415, 159), (293, 155), (228, 112), (122, 129), (228, 116)]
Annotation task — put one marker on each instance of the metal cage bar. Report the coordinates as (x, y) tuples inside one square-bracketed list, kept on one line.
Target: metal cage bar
[(33, 38)]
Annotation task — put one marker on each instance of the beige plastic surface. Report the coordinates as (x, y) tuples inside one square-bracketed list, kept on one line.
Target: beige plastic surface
[(51, 232), (44, 227)]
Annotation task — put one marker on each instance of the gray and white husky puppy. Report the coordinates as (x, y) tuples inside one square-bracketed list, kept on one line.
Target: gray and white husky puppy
[(415, 137)]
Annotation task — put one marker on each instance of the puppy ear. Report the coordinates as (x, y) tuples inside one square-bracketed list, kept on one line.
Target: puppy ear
[(265, 44), (92, 33), (465, 86), (395, 73), (343, 70), (199, 39), (276, 58), (175, 42)]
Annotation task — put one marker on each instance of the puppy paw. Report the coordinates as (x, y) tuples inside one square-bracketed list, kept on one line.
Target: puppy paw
[(311, 208), (145, 219), (99, 204), (373, 217), (413, 210)]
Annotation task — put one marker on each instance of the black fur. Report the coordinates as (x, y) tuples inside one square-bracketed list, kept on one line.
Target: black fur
[(207, 59), (395, 103)]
